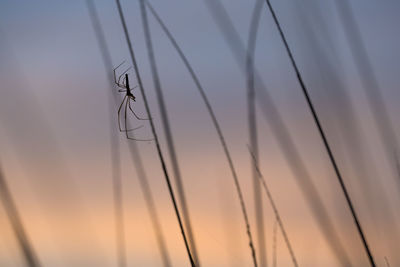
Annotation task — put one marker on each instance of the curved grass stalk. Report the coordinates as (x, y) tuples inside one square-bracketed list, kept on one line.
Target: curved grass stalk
[(216, 125)]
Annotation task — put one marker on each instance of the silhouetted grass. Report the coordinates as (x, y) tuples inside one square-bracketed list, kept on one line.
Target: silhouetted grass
[(168, 133), (274, 243), (153, 129), (216, 125), (370, 83), (148, 197), (323, 136), (387, 262), (25, 245), (372, 187), (281, 133), (275, 209), (28, 116), (135, 154), (114, 140), (252, 124), (397, 159)]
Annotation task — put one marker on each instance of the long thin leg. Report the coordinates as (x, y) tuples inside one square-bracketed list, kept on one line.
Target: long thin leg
[(129, 104), (119, 78), (144, 140), (126, 132), (115, 76), (119, 119), (124, 82), (119, 113), (130, 130), (126, 107)]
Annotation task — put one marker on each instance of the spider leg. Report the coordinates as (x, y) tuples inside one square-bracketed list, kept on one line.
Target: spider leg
[(119, 119), (130, 130), (142, 119), (126, 106), (119, 81), (119, 78), (145, 140), (119, 113), (127, 103), (124, 83), (115, 76)]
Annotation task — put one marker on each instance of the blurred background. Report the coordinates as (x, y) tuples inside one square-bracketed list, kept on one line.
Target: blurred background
[(55, 131)]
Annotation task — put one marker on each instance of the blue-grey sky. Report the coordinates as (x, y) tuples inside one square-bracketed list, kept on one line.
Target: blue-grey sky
[(54, 133)]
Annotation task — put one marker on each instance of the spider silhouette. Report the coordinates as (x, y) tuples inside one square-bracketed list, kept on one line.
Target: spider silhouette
[(126, 102)]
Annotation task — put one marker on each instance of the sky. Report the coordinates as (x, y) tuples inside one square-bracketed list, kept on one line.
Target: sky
[(55, 131)]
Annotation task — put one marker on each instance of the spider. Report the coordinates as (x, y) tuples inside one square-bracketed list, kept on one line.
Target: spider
[(126, 102)]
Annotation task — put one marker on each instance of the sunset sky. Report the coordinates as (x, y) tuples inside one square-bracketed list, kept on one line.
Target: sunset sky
[(55, 131)]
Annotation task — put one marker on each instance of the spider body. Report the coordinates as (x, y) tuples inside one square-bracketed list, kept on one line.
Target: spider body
[(128, 89), (126, 103)]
